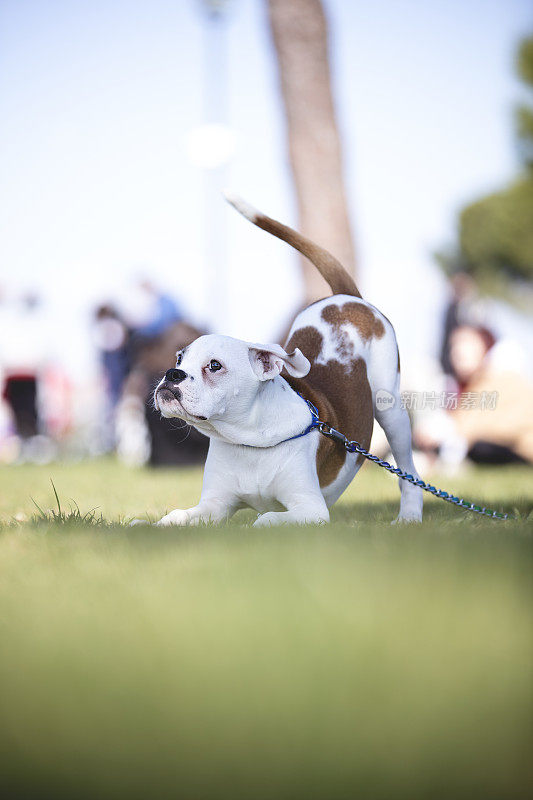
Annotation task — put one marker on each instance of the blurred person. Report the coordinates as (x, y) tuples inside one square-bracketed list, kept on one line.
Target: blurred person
[(25, 358), (142, 435), (112, 339), (148, 310), (145, 323), (21, 364), (20, 392), (458, 312), (496, 433), (491, 421)]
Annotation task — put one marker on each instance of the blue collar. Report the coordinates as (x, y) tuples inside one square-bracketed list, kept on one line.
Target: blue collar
[(315, 421)]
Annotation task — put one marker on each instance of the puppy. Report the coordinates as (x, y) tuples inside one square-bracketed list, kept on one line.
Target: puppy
[(250, 400)]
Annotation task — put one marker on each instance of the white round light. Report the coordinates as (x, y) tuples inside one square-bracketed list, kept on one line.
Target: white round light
[(210, 146)]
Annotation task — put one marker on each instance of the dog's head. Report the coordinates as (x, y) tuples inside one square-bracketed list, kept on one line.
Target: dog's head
[(219, 378)]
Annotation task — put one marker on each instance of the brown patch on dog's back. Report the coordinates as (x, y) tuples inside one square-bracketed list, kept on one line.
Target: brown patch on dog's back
[(354, 417), (309, 340), (357, 314), (342, 395), (343, 398)]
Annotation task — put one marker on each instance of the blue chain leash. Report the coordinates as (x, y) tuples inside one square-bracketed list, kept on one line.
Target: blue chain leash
[(355, 447)]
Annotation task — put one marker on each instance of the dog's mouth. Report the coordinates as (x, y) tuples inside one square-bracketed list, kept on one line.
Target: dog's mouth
[(166, 395)]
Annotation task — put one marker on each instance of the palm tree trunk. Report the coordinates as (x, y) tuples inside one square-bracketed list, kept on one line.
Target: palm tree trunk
[(299, 32)]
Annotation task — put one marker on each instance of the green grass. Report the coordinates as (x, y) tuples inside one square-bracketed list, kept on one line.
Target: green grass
[(353, 660)]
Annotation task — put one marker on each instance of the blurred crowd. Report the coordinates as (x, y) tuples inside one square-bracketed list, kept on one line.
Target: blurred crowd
[(473, 404), (134, 340)]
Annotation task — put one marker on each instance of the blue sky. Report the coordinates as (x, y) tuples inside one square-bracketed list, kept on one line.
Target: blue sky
[(97, 100)]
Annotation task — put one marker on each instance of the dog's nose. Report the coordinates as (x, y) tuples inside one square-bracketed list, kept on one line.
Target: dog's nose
[(175, 375)]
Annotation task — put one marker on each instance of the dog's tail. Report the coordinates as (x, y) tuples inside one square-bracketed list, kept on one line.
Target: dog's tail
[(331, 270)]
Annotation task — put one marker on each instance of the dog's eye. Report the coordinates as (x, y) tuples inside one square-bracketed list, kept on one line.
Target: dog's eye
[(179, 358), (214, 365)]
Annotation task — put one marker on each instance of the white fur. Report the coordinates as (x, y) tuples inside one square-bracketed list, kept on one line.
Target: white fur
[(250, 411), (241, 205)]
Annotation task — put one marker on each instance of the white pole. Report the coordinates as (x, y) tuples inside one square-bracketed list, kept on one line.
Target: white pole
[(215, 114)]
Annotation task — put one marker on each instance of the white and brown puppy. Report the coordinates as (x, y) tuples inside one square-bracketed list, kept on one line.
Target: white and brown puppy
[(341, 355)]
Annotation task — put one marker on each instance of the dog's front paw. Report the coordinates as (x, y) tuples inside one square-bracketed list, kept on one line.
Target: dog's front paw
[(267, 520), (407, 518), (176, 517), (135, 522)]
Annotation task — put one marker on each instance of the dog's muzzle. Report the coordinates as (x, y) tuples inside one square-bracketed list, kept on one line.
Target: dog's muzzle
[(169, 389)]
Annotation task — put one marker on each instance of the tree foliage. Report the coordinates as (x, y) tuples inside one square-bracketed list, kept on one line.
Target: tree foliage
[(524, 112), (496, 231)]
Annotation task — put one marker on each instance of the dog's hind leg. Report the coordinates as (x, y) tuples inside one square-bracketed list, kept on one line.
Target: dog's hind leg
[(395, 422), (384, 374)]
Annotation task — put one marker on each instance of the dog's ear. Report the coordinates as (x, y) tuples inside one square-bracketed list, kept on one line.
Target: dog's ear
[(268, 360)]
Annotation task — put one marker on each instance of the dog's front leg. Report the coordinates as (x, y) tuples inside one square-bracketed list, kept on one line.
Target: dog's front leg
[(218, 501), (208, 510), (311, 511)]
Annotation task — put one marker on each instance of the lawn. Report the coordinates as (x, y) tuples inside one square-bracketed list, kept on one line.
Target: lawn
[(353, 660)]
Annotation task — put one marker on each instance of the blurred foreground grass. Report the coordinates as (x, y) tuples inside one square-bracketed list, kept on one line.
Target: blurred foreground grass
[(355, 660)]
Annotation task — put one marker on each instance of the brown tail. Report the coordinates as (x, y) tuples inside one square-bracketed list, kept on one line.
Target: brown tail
[(331, 270)]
